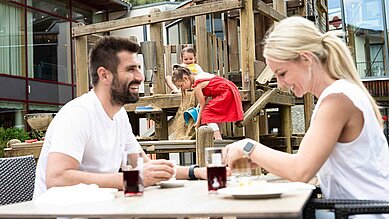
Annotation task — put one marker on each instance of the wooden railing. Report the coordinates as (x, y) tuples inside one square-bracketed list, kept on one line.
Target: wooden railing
[(378, 87)]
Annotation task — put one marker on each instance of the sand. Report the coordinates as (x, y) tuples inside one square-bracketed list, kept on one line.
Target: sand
[(177, 128)]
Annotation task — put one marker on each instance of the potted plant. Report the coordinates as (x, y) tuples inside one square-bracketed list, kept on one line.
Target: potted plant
[(11, 133)]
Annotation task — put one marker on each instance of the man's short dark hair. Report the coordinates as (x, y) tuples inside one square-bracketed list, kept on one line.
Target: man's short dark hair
[(104, 54)]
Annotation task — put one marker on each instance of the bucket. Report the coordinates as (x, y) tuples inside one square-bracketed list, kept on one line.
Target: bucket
[(191, 113)]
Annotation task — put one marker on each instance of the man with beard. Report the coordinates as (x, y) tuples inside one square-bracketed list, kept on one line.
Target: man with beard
[(85, 141)]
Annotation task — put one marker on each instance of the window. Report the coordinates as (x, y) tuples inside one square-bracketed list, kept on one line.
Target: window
[(11, 114), (366, 36), (49, 47), (12, 40)]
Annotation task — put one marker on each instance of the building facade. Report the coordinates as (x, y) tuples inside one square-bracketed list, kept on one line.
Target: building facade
[(37, 72), (364, 25)]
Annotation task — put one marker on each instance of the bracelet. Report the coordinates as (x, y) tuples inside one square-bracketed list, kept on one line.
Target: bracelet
[(191, 174)]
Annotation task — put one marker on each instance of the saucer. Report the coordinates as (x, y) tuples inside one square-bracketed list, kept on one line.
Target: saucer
[(172, 183)]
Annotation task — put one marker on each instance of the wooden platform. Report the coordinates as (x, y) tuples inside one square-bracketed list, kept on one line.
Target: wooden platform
[(174, 146), (171, 101), (150, 147)]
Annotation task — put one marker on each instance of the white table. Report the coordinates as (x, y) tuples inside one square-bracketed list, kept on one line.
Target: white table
[(192, 200)]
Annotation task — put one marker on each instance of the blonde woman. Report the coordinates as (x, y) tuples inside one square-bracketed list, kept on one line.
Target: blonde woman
[(345, 145)]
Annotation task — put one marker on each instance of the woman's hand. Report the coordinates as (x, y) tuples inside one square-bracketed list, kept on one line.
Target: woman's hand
[(234, 151)]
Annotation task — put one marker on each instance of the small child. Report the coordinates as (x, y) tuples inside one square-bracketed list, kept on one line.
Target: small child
[(188, 59), (225, 105)]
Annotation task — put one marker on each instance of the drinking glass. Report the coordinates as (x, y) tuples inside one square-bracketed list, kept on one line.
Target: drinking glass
[(216, 169), (241, 171), (132, 167)]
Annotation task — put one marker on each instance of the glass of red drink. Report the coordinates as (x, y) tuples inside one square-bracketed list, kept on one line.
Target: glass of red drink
[(132, 167), (216, 169)]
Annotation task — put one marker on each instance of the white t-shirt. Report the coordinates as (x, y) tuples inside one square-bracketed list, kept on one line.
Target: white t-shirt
[(84, 131), (357, 169)]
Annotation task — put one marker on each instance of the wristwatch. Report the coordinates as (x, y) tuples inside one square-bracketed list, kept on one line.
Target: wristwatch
[(247, 149), (191, 174)]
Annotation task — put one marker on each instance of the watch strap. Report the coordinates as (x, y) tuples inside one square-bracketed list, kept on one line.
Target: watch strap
[(191, 174)]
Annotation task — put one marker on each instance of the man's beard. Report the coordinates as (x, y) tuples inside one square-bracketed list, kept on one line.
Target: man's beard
[(120, 93)]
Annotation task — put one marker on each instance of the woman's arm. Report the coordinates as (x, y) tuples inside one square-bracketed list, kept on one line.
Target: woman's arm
[(336, 118)]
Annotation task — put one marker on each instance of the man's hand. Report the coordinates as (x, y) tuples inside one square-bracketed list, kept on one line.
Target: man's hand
[(157, 170)]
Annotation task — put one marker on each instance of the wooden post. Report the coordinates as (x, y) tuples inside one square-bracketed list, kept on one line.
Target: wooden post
[(82, 65), (161, 126), (204, 138), (168, 66), (220, 57), (214, 55), (280, 6), (232, 45), (157, 36), (308, 109), (260, 31), (286, 126), (201, 42), (247, 58)]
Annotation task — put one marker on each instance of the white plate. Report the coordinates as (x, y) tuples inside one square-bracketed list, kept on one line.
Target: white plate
[(172, 183), (250, 193)]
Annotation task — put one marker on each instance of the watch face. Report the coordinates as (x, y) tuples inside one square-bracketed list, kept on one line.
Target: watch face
[(248, 147)]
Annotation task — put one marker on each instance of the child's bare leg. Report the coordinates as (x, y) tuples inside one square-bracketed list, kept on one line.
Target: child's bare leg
[(170, 84), (216, 131)]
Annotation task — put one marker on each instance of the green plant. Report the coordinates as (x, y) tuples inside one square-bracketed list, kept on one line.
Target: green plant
[(11, 133)]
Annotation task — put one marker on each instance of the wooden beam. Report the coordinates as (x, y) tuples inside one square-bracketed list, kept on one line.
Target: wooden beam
[(257, 106), (308, 109), (201, 42), (286, 126), (166, 101), (157, 36), (82, 65), (171, 101), (220, 57), (268, 11), (232, 44), (168, 66), (165, 146), (247, 43), (196, 10), (161, 126), (265, 76), (280, 6), (204, 139)]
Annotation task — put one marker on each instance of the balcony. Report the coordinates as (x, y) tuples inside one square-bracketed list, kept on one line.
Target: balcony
[(374, 69)]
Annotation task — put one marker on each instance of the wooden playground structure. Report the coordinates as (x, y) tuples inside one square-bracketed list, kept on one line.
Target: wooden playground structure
[(238, 54)]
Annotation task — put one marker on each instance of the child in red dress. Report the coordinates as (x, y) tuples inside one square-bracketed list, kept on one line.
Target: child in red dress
[(225, 105)]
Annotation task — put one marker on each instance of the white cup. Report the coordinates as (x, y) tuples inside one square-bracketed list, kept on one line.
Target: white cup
[(174, 163)]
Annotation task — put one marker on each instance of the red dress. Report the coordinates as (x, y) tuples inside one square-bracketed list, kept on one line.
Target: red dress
[(225, 105)]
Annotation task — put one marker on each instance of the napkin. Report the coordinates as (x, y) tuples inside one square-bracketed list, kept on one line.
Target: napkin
[(77, 194)]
